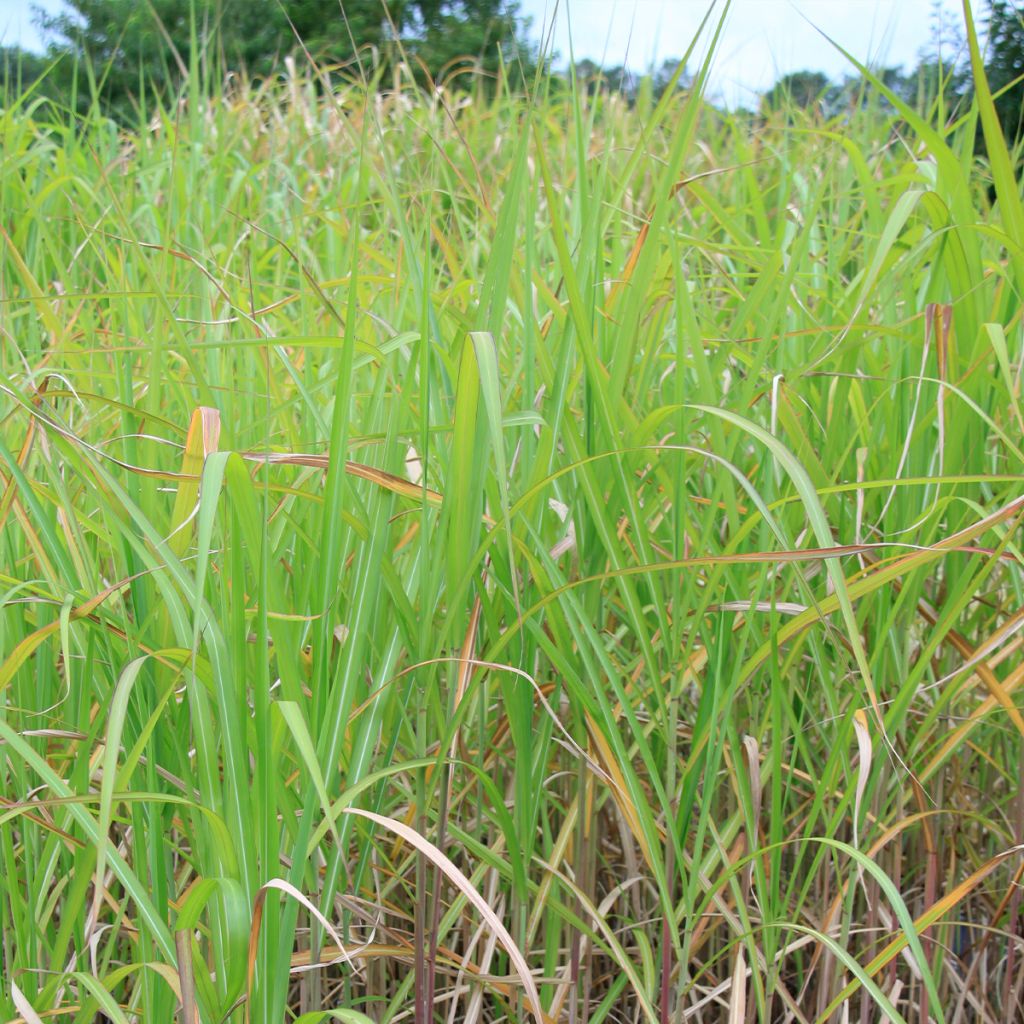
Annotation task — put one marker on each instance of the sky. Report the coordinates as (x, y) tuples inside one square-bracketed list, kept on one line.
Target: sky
[(763, 39)]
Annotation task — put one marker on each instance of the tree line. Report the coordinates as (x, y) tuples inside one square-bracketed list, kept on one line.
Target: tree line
[(123, 48), (941, 75)]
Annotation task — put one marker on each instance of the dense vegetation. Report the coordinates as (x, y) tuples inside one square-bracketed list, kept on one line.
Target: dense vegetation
[(123, 54), (548, 560)]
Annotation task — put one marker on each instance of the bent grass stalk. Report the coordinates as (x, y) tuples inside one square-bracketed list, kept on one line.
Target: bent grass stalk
[(565, 556)]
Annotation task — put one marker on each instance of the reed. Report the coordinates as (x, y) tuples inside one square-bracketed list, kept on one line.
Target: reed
[(534, 559)]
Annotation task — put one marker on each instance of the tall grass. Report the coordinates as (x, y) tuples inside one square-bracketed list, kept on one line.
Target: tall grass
[(523, 559)]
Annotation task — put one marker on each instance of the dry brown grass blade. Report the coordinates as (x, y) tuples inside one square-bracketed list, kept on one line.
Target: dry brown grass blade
[(39, 298), (390, 482), (466, 660), (977, 960), (463, 884), (883, 840), (752, 760), (27, 646), (202, 440), (982, 669), (8, 497), (186, 979), (448, 959), (465, 673), (618, 788), (931, 879), (975, 657), (330, 954), (9, 500), (977, 716), (13, 808), (925, 921), (631, 262), (722, 898), (880, 574), (23, 1006), (638, 246), (447, 250), (257, 919), (738, 996), (43, 418), (864, 750), (178, 254)]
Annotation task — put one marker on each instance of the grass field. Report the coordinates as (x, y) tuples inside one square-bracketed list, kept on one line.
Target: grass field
[(542, 560)]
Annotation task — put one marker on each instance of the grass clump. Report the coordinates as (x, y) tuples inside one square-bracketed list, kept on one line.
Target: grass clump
[(534, 560)]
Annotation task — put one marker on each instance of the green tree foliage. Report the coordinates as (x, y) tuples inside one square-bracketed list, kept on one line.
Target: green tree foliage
[(19, 70), (1005, 65), (126, 43), (799, 88), (629, 84), (939, 84)]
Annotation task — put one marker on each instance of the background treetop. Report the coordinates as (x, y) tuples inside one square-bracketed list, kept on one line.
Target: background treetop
[(119, 37), (130, 46)]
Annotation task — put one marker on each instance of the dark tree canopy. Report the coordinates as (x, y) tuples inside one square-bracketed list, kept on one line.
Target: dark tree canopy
[(799, 88), (19, 69), (120, 37), (1005, 61)]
